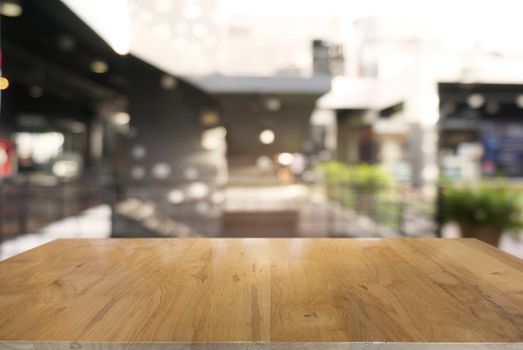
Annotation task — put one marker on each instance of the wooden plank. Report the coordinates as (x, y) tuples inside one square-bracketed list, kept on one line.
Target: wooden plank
[(256, 293), (186, 290)]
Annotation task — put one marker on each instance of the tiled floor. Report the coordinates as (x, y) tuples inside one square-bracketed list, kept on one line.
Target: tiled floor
[(510, 243), (92, 223), (96, 223)]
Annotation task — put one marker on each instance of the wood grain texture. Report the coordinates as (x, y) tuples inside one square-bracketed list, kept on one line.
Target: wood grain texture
[(255, 293)]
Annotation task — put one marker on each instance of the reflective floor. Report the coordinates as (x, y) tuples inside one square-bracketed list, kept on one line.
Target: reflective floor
[(96, 223)]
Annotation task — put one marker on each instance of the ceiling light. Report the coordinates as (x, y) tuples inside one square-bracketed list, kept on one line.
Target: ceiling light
[(267, 136), (66, 168), (4, 83), (198, 190), (168, 82), (175, 197), (519, 101), (99, 67), (121, 48), (121, 118), (209, 118), (285, 158), (273, 104), (161, 171), (475, 101), (10, 8), (214, 139)]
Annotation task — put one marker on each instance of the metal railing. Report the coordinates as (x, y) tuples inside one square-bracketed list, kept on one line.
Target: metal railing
[(298, 209), (402, 211)]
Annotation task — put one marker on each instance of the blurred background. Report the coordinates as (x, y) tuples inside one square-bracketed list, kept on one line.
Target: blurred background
[(230, 118)]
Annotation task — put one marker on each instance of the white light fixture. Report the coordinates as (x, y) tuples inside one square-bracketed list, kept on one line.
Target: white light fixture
[(176, 197), (267, 136), (121, 118), (66, 168), (273, 104), (161, 171), (168, 82), (475, 101), (209, 118), (198, 190), (10, 8), (285, 158), (99, 67), (214, 139), (519, 101)]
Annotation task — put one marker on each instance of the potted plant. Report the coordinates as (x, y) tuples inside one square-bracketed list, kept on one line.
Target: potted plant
[(482, 211)]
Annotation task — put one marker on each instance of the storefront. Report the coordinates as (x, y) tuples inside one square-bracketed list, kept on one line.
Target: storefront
[(481, 131)]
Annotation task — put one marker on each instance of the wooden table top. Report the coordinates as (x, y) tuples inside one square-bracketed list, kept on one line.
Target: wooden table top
[(261, 293)]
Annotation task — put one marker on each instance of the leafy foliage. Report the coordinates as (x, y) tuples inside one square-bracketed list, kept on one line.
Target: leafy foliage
[(363, 177), (493, 206)]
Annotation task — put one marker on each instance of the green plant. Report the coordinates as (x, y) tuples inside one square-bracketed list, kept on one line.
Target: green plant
[(354, 186), (497, 207), (367, 177), (362, 177), (334, 172)]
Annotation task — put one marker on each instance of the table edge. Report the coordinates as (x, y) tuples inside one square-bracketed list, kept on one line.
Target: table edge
[(241, 345)]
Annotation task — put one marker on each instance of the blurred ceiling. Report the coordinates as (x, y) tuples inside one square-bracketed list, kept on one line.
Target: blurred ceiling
[(273, 37)]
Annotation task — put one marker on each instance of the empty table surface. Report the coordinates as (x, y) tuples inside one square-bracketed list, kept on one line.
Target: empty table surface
[(262, 293)]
